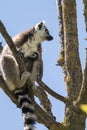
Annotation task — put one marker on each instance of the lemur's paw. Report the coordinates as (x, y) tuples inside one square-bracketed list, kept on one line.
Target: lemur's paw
[(24, 78), (34, 55), (25, 74)]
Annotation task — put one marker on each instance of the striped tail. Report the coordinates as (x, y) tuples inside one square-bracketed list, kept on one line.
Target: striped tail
[(28, 111)]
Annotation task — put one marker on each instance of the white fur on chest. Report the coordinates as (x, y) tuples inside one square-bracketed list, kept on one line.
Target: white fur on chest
[(28, 48)]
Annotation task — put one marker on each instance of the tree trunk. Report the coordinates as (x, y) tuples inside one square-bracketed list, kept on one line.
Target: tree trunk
[(74, 119)]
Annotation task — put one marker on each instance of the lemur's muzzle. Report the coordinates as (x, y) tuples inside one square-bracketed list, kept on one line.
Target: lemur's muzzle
[(49, 38)]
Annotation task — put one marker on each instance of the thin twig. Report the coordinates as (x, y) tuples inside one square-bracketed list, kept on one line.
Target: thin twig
[(51, 92), (61, 32)]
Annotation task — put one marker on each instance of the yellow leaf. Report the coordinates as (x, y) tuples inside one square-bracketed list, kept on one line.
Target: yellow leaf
[(83, 107)]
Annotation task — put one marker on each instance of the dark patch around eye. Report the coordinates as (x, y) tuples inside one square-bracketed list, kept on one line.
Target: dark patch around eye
[(46, 30)]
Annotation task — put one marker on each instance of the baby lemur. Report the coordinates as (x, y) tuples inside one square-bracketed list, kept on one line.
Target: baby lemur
[(28, 42)]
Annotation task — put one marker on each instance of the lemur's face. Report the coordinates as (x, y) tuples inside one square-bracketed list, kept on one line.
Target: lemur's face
[(43, 32)]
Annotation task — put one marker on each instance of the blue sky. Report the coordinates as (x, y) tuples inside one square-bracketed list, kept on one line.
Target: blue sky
[(19, 15)]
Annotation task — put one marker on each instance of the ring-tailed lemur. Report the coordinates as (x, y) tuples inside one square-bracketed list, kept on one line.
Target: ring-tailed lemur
[(28, 42)]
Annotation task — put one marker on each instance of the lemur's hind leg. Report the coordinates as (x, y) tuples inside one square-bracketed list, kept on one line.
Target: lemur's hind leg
[(10, 72)]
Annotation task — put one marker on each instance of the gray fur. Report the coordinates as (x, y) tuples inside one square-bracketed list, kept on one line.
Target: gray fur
[(27, 42)]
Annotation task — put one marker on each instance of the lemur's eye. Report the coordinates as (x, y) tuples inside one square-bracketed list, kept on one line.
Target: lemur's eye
[(46, 30)]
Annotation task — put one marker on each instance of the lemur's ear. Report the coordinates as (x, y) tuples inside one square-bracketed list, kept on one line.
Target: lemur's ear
[(41, 24)]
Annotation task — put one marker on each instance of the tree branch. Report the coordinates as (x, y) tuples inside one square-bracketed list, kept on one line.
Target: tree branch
[(12, 47), (72, 65), (18, 56), (43, 97), (61, 32), (49, 122), (4, 87), (51, 92), (85, 12), (82, 98)]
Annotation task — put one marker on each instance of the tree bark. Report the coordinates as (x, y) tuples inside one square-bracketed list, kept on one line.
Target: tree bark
[(74, 119)]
